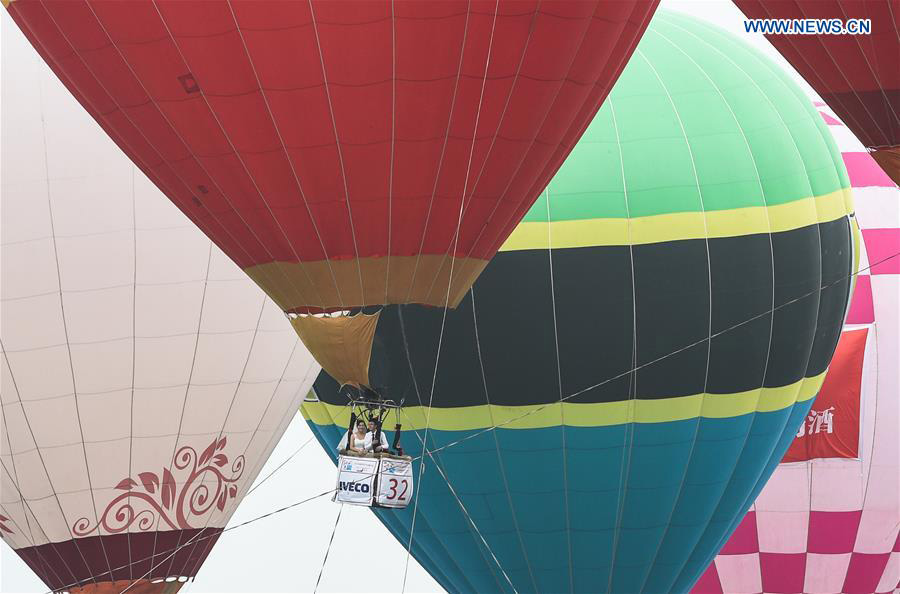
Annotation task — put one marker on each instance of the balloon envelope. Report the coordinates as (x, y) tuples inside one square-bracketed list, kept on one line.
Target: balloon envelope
[(857, 75), (705, 193), (828, 522), (329, 148), (145, 379)]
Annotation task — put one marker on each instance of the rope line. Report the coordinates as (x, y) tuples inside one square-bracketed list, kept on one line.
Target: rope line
[(224, 530), (279, 467), (562, 418), (328, 550), (198, 538), (740, 128), (418, 395), (660, 358), (462, 202), (431, 453), (467, 515), (340, 153), (632, 378), (512, 508), (290, 162)]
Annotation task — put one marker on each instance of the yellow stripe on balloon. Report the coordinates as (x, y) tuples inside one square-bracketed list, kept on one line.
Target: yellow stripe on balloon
[(594, 414), (532, 235)]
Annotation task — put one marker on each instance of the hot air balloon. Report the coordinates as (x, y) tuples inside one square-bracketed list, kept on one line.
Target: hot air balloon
[(145, 379), (827, 520), (344, 154), (633, 363), (857, 75)]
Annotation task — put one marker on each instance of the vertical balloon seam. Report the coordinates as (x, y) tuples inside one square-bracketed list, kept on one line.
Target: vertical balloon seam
[(688, 579), (340, 154), (71, 363), (261, 461), (562, 432), (499, 125), (771, 325), (287, 156), (184, 401), (471, 524), (632, 376), (24, 502), (438, 169), (463, 205), (777, 455), (497, 447), (422, 462), (390, 205), (481, 542), (478, 545), (804, 165), (647, 16), (133, 349), (624, 483), (234, 150)]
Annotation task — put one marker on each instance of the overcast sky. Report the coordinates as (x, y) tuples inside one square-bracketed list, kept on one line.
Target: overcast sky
[(284, 552)]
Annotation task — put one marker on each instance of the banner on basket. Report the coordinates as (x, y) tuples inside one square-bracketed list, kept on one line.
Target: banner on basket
[(395, 483), (356, 479)]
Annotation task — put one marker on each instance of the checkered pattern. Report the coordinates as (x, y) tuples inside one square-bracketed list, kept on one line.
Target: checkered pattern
[(829, 564), (831, 526)]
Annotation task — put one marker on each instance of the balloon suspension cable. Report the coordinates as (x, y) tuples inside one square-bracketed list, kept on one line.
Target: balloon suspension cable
[(500, 463), (467, 515), (328, 550), (462, 202), (196, 539), (661, 358), (280, 466), (431, 453), (221, 433)]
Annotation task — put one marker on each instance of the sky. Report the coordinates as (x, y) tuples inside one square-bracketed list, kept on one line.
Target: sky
[(285, 551)]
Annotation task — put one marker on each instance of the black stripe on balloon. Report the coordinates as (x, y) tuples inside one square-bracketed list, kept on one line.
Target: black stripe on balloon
[(594, 316)]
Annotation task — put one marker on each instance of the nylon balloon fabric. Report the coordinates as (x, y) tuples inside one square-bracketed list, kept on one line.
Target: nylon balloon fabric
[(145, 378), (344, 154), (699, 233), (857, 75)]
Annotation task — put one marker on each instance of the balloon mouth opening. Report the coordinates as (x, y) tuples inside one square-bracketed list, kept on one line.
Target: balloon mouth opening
[(340, 313), (367, 311), (170, 579)]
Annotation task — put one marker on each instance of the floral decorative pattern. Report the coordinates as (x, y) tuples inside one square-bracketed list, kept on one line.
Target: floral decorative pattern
[(155, 501), (4, 527)]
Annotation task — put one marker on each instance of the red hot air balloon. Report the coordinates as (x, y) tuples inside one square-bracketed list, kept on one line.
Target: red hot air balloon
[(857, 75), (344, 154)]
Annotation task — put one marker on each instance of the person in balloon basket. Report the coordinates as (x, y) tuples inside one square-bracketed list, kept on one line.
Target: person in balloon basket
[(373, 443), (358, 443)]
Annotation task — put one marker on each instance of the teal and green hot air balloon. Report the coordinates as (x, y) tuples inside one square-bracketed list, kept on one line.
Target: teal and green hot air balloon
[(629, 369)]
